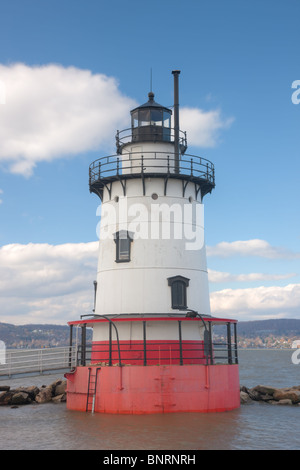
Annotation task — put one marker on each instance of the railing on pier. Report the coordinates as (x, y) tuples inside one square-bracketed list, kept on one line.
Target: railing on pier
[(26, 361)]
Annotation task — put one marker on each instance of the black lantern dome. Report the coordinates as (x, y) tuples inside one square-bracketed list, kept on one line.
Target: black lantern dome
[(151, 122)]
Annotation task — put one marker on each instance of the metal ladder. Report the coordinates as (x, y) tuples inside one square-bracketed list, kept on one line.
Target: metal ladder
[(92, 388)]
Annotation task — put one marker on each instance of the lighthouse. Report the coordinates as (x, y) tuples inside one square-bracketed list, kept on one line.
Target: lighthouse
[(153, 347)]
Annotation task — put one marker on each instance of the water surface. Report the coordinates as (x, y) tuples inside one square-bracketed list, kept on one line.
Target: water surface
[(257, 426)]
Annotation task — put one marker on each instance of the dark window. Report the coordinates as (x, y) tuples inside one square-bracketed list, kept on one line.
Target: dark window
[(156, 117), (178, 291), (123, 241), (144, 117)]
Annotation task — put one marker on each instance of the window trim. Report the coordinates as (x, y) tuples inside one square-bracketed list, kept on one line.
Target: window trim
[(123, 235), (172, 282)]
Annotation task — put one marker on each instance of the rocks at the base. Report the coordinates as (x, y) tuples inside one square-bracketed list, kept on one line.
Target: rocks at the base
[(271, 395), (44, 395), (55, 392)]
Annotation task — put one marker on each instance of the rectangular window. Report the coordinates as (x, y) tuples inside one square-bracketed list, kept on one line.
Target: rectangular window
[(123, 241), (178, 295), (124, 250), (178, 286)]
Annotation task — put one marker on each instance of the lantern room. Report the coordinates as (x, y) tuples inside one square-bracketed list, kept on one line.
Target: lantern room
[(151, 122)]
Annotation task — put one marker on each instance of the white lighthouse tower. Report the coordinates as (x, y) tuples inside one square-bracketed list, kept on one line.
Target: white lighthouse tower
[(152, 309)]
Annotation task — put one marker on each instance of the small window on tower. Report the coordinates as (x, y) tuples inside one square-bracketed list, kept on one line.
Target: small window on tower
[(123, 241), (178, 291)]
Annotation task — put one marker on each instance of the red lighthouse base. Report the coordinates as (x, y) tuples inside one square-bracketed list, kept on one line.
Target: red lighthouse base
[(153, 389)]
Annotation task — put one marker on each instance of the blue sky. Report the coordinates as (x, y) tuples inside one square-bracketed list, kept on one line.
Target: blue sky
[(92, 59)]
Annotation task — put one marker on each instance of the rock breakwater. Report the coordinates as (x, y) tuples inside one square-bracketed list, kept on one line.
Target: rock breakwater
[(271, 395), (55, 392)]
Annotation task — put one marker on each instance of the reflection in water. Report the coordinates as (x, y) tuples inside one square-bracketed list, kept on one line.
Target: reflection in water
[(50, 426), (172, 431)]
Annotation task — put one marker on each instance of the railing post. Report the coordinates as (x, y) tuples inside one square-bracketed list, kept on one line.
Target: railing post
[(235, 344), (210, 344), (70, 345), (118, 161), (229, 343), (117, 141), (8, 359), (83, 344), (110, 345), (180, 342), (145, 344), (40, 360)]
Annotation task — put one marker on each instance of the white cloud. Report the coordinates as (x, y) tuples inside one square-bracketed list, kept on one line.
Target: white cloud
[(52, 111), (1, 192), (257, 303), (219, 276), (41, 283), (255, 247), (203, 127)]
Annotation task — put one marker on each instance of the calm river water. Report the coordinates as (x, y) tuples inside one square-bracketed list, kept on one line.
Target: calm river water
[(252, 427)]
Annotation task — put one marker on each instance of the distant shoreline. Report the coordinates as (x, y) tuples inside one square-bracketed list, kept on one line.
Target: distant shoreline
[(266, 349)]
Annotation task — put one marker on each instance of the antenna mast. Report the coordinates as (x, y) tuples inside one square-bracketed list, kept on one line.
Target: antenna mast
[(176, 119)]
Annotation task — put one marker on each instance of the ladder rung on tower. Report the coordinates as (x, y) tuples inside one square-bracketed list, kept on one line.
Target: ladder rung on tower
[(92, 388)]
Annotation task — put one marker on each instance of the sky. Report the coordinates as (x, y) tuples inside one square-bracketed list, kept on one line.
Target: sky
[(71, 71)]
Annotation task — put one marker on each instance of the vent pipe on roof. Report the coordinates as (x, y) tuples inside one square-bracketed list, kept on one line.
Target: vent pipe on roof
[(176, 118)]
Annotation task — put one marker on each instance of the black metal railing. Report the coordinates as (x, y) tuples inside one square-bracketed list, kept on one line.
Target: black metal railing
[(146, 352), (149, 133), (143, 163)]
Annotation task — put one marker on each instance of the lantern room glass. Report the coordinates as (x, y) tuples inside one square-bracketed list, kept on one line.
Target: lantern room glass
[(151, 117), (156, 117)]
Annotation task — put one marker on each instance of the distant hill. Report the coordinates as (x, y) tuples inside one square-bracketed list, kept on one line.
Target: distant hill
[(36, 335), (42, 336), (263, 328)]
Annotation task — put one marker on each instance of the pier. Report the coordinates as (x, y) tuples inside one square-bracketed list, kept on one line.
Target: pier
[(17, 362)]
